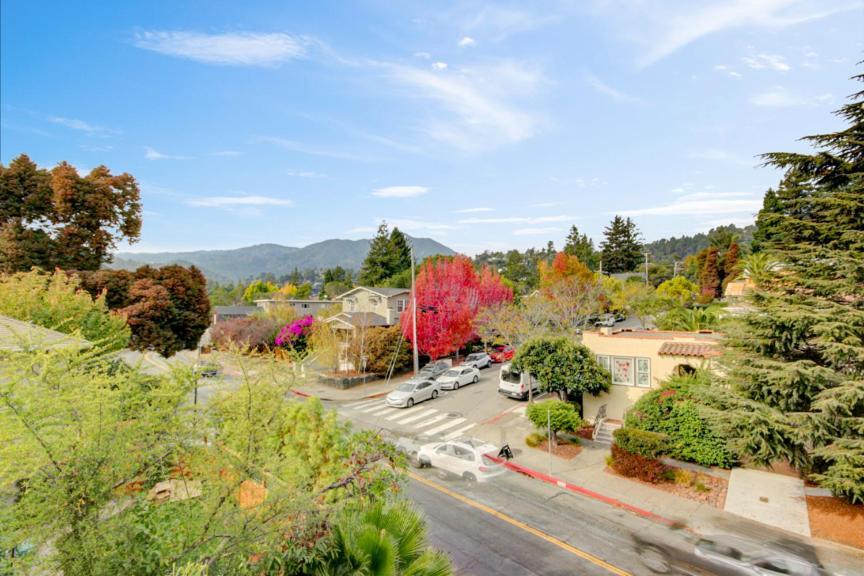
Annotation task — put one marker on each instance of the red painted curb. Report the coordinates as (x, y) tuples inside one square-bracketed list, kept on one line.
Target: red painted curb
[(584, 491), (307, 395)]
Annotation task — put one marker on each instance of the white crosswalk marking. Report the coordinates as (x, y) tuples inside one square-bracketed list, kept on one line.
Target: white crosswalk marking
[(431, 421), (445, 426), (398, 414), (383, 411), (459, 432), (367, 409), (362, 403), (417, 416)]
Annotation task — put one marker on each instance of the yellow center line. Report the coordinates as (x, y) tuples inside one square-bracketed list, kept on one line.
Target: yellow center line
[(521, 525)]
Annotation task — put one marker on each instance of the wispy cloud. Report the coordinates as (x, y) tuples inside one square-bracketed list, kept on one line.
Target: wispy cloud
[(767, 61), (518, 220), (439, 65), (81, 126), (236, 201), (466, 41), (152, 154), (702, 204), (481, 102), (727, 70), (662, 29), (312, 150), (780, 97), (535, 231), (305, 174), (616, 94), (473, 210), (233, 48), (400, 191)]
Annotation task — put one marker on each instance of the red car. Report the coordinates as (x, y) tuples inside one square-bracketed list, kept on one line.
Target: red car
[(501, 354)]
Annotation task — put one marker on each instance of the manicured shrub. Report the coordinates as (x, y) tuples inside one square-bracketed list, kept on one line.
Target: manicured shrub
[(294, 334), (562, 417), (640, 442), (636, 466), (534, 439)]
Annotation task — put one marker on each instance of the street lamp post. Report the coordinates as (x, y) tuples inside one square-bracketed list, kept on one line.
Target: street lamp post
[(414, 317)]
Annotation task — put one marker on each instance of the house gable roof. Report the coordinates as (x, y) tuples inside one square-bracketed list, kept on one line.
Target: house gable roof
[(17, 335), (359, 319), (385, 292)]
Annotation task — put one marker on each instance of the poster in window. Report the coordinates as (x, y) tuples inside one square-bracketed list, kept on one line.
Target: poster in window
[(643, 372), (622, 371)]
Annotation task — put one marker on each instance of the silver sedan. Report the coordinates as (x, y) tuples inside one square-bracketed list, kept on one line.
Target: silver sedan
[(413, 391)]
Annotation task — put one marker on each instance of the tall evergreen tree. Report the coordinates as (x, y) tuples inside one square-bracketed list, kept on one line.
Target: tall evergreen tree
[(621, 248), (400, 253), (376, 266), (796, 373), (581, 246)]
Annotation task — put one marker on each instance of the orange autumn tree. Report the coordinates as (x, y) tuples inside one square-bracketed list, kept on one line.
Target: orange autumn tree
[(450, 294), (570, 294)]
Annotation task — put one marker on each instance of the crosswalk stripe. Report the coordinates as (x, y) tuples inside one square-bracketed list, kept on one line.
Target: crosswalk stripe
[(368, 409), (445, 426), (362, 403), (398, 414), (417, 416), (459, 432), (431, 421), (383, 411)]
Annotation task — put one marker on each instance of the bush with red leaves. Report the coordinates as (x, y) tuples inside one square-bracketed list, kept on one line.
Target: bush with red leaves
[(636, 466)]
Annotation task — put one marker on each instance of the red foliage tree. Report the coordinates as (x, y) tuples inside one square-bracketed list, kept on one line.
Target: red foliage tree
[(709, 276), (450, 293)]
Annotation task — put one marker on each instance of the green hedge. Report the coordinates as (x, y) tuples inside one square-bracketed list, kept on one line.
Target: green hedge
[(563, 416), (641, 442), (674, 410)]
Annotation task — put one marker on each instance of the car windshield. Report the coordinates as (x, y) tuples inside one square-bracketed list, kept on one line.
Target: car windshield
[(406, 387), (451, 373), (511, 375), (473, 357)]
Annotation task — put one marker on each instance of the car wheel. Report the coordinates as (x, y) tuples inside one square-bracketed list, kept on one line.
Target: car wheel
[(655, 559), (414, 460), (434, 394), (409, 403), (469, 477), (456, 385), (423, 463), (476, 379)]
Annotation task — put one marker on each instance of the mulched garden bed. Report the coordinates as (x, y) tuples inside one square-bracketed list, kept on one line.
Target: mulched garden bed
[(835, 519), (563, 450), (715, 496)]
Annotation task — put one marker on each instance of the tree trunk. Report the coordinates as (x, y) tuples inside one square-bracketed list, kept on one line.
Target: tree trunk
[(554, 438)]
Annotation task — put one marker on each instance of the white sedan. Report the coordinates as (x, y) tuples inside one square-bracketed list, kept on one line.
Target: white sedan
[(467, 459), (478, 360), (459, 376)]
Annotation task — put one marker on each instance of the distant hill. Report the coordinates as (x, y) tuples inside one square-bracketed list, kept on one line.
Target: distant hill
[(253, 261), (669, 249)]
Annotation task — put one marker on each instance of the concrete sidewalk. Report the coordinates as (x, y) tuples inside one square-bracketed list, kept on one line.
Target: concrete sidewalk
[(585, 474)]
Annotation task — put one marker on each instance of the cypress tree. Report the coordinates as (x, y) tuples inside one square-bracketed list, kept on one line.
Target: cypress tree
[(796, 370), (581, 246), (709, 275), (622, 250)]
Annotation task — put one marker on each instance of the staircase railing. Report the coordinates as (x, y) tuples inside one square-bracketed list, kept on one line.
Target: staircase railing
[(598, 421)]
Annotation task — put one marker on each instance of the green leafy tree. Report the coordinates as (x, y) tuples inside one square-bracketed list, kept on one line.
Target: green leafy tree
[(797, 370), (336, 288), (385, 349), (389, 255), (303, 291), (638, 300), (677, 292), (562, 366), (759, 267), (581, 246), (555, 415), (57, 301), (621, 247), (257, 290), (337, 274), (689, 319), (60, 219)]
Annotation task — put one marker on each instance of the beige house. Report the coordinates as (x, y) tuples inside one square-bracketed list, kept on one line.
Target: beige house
[(302, 307), (364, 307), (639, 360)]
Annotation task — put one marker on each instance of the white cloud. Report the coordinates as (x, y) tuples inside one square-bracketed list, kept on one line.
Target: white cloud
[(779, 97), (232, 48), (305, 174), (497, 21), (535, 231), (727, 70), (400, 191), (473, 210), (767, 61), (81, 126), (663, 28), (232, 201), (467, 41), (481, 103), (152, 154), (702, 204), (604, 88), (423, 55), (439, 65), (518, 220)]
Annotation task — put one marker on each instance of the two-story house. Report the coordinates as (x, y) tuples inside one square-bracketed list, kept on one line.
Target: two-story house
[(364, 307)]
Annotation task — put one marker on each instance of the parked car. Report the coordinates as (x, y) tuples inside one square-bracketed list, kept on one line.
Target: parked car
[(606, 321), (725, 555), (513, 383), (466, 458), (501, 354), (413, 391), (479, 360), (459, 376), (434, 369), (206, 368)]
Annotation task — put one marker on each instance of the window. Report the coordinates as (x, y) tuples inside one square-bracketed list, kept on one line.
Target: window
[(627, 370), (622, 371), (401, 304), (643, 372), (604, 362)]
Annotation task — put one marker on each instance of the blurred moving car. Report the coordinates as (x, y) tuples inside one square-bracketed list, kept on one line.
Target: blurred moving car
[(459, 376), (515, 384), (468, 459), (479, 360), (724, 555), (413, 391), (206, 368), (501, 354), (433, 369)]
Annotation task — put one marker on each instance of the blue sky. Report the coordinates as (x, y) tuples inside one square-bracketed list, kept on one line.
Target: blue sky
[(483, 125)]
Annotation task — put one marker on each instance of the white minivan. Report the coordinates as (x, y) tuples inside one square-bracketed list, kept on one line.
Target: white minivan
[(515, 384)]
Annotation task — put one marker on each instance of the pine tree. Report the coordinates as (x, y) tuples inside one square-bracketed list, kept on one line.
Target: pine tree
[(621, 247), (581, 246), (797, 367), (400, 253), (376, 266)]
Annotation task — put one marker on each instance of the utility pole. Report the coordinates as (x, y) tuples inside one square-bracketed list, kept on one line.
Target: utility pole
[(675, 269), (601, 266), (549, 435), (646, 268), (414, 317)]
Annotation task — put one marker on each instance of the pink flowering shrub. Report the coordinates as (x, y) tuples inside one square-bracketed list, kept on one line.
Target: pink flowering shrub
[(294, 335)]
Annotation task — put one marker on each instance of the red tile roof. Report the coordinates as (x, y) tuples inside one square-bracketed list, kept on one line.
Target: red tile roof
[(688, 349)]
